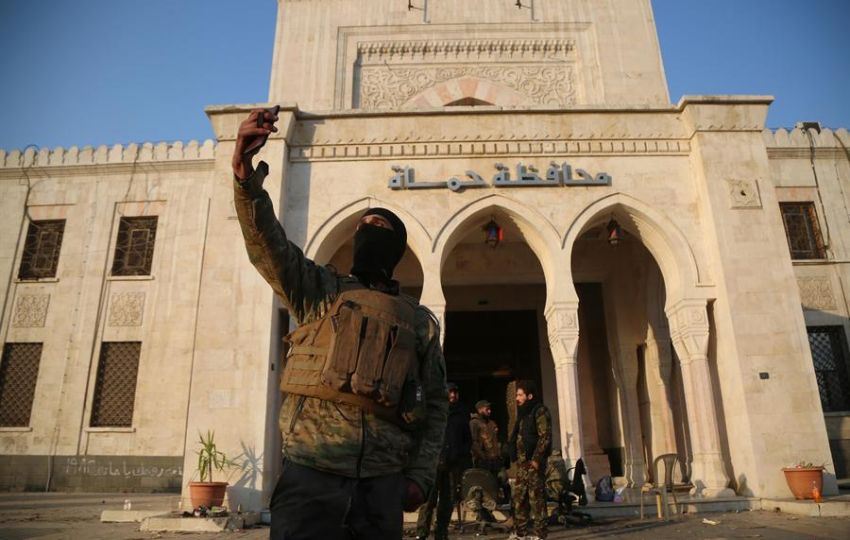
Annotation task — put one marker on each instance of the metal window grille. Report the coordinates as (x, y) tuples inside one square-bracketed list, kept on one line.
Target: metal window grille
[(134, 248), (18, 374), (115, 389), (41, 249), (802, 231), (829, 353)]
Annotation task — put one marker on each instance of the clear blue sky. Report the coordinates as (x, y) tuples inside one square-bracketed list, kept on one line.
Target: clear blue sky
[(114, 71)]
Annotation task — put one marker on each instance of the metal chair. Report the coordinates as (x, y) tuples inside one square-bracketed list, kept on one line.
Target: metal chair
[(661, 485), (480, 491)]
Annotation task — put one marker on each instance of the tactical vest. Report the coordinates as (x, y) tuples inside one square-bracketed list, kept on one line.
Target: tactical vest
[(362, 352)]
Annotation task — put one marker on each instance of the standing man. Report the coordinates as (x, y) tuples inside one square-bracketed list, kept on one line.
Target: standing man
[(530, 446), (454, 460), (486, 453), (364, 380)]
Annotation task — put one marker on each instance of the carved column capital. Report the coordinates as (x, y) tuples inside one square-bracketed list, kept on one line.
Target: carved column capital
[(689, 329), (562, 323)]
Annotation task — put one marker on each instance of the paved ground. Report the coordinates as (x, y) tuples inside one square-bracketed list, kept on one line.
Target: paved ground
[(54, 516)]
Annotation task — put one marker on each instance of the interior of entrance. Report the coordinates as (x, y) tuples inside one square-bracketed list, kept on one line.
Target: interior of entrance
[(630, 390), (495, 331), (486, 350)]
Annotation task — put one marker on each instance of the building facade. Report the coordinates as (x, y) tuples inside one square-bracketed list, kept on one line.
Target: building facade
[(673, 275)]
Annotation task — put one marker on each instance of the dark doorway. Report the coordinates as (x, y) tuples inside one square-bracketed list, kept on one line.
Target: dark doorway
[(486, 350)]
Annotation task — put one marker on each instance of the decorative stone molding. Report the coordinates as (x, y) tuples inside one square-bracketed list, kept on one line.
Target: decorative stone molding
[(105, 155), (563, 332), (393, 72), (371, 52), (816, 293), (360, 149), (743, 193), (126, 309), (31, 311), (382, 87)]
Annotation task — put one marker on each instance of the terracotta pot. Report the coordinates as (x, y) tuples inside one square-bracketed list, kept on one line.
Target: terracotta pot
[(802, 479), (207, 494)]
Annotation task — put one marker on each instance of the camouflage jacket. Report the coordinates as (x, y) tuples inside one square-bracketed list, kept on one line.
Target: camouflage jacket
[(485, 440), (340, 438), (539, 445)]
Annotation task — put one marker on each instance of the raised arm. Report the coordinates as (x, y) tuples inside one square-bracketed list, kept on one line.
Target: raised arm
[(303, 286)]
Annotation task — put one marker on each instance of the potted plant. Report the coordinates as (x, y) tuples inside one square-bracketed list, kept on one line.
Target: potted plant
[(207, 493), (805, 480)]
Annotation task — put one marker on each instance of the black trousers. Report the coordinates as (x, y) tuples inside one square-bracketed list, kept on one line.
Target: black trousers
[(308, 504)]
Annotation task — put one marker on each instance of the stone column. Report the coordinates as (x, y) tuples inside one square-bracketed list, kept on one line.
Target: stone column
[(625, 370), (658, 366), (562, 322), (689, 331)]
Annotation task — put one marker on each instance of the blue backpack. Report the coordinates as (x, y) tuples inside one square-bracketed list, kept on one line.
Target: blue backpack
[(604, 489)]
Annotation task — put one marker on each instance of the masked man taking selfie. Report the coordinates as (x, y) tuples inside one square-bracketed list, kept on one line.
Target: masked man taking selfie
[(365, 401)]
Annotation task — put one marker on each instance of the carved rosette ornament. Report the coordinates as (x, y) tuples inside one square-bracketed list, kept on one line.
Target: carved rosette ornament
[(743, 193), (31, 311), (127, 309)]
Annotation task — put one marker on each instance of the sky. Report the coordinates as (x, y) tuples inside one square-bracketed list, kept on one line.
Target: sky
[(92, 72)]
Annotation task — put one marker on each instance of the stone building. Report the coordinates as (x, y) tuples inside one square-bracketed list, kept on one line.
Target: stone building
[(674, 275)]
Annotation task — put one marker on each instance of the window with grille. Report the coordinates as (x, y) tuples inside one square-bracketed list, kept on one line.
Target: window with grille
[(134, 248), (829, 353), (18, 374), (802, 231), (41, 249), (115, 389)]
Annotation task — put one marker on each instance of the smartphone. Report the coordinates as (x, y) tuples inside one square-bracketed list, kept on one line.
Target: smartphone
[(260, 141)]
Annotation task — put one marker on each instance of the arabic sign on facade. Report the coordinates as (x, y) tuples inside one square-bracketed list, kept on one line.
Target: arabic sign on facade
[(526, 176)]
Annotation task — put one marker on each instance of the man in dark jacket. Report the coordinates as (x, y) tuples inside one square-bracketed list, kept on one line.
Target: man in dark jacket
[(530, 446), (454, 460), (357, 449)]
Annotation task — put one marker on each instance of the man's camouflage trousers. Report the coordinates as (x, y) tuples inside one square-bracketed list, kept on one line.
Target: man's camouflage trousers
[(529, 497)]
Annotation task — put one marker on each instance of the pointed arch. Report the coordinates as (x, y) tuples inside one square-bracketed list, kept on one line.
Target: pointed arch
[(667, 244), (538, 232)]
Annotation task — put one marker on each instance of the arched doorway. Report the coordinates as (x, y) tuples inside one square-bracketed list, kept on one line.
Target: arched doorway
[(629, 398), (495, 293), (651, 297)]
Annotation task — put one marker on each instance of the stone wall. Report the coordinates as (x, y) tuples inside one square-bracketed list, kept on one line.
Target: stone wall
[(811, 166), (144, 474)]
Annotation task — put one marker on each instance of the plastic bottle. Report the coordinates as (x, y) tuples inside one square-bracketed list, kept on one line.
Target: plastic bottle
[(816, 492)]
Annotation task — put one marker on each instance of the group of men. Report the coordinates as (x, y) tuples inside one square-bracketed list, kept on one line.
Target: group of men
[(472, 440), (366, 402)]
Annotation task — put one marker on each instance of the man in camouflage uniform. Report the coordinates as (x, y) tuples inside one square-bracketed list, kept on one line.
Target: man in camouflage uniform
[(454, 460), (348, 471), (486, 451), (530, 446)]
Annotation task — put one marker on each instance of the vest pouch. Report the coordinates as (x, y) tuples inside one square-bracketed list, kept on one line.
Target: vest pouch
[(400, 360), (304, 362), (346, 328), (375, 340)]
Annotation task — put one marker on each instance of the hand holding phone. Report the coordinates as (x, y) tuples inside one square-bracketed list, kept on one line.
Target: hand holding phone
[(264, 117), (253, 133)]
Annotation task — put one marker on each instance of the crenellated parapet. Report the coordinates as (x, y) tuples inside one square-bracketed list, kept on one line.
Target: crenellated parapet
[(161, 152), (799, 143)]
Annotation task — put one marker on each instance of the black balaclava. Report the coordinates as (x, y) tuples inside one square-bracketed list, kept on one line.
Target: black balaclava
[(377, 250)]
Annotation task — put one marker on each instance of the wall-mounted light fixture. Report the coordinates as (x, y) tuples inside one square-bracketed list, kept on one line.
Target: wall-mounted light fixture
[(493, 233), (615, 233)]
